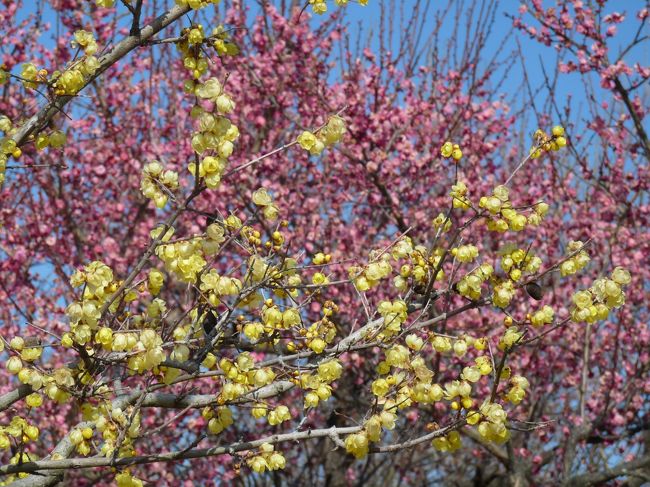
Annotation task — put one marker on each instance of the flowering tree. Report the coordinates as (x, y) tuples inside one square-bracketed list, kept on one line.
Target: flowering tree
[(219, 265)]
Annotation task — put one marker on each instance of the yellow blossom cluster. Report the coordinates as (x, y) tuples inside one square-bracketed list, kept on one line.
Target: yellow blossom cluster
[(20, 429), (195, 34), (604, 295), (542, 317), (273, 319), (31, 76), (503, 293), (98, 288), (442, 222), (260, 270), (157, 184), (196, 4), (263, 199), (465, 253), (210, 169), (394, 314), (504, 217), (461, 389), (5, 124), (576, 262), (320, 6), (406, 377), (369, 276), (448, 443), (54, 139), (318, 384), (278, 415), (276, 319), (215, 286), (470, 284), (184, 258), (215, 236), (414, 342), (79, 438), (460, 346), (126, 478), (515, 261), (458, 194), (451, 150), (492, 424), (318, 391), (321, 333), (149, 352), (75, 76), (321, 259), (416, 268), (233, 389), (110, 421), (86, 41), (511, 336), (358, 444), (546, 143), (286, 277), (222, 42), (267, 459), (239, 377), (22, 366), (193, 44), (29, 352), (8, 148), (218, 420), (215, 133), (329, 135), (411, 382), (385, 420), (517, 392), (155, 281)]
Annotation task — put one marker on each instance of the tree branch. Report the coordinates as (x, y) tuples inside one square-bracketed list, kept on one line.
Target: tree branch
[(6, 400), (622, 469), (125, 46)]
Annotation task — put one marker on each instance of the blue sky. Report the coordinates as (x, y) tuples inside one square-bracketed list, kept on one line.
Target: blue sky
[(538, 57), (365, 21)]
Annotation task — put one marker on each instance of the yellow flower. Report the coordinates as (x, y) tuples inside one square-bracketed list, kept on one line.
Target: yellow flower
[(357, 444), (307, 140)]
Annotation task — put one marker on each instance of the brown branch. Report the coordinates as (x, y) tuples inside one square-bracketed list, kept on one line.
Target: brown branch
[(638, 124)]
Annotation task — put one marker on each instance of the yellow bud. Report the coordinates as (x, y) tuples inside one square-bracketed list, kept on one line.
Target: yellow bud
[(558, 130)]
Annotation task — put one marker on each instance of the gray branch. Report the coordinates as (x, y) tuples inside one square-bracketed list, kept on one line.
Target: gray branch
[(22, 391), (214, 451), (126, 45), (620, 470)]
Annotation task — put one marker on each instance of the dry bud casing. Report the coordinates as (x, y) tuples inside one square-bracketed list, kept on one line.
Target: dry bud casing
[(210, 322), (535, 291)]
